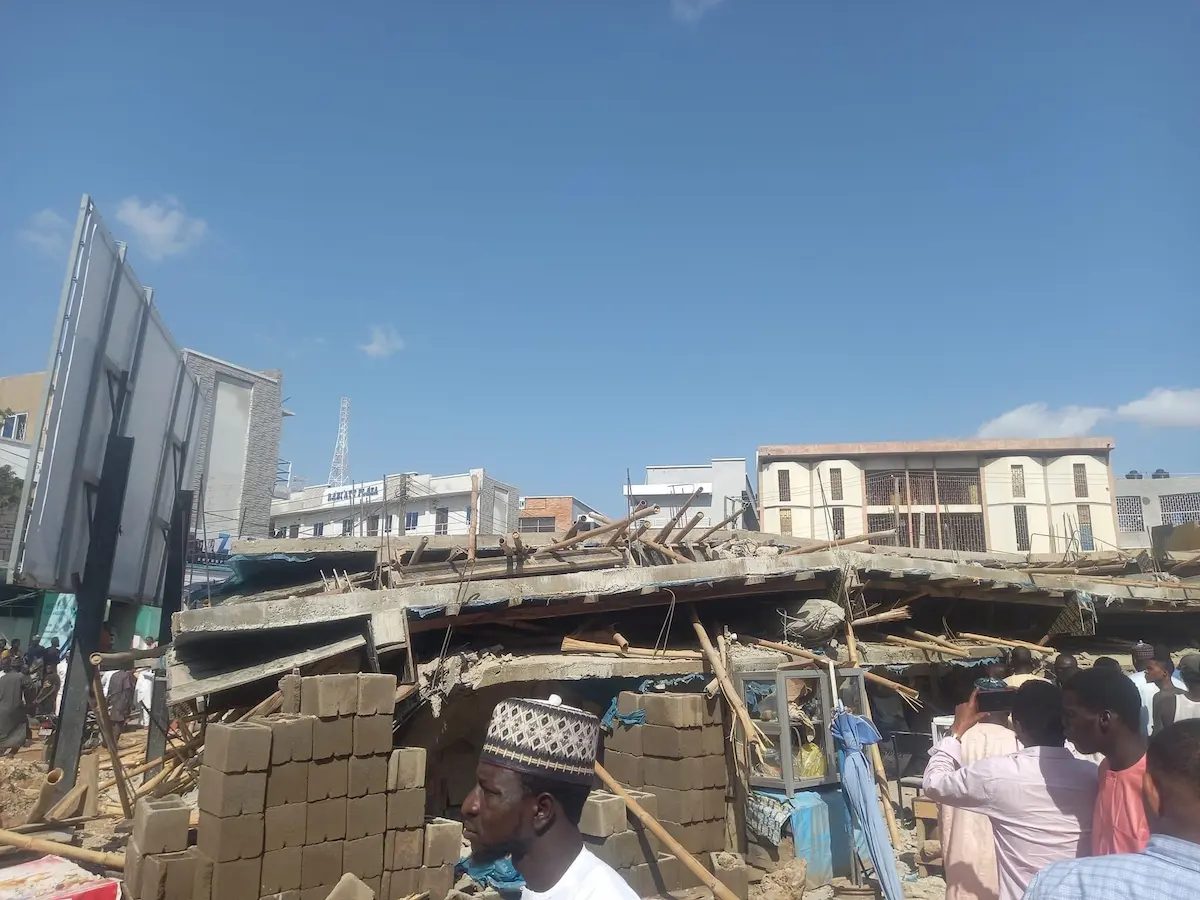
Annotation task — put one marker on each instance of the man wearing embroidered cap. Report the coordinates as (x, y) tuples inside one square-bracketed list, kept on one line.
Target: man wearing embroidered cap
[(533, 778)]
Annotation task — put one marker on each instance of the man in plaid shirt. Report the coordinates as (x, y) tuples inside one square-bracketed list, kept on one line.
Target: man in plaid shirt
[(1169, 867)]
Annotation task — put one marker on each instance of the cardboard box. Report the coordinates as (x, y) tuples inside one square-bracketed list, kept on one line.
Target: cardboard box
[(376, 695), (333, 737), (366, 816), (224, 839), (281, 870), (373, 736), (161, 826), (222, 794), (285, 826), (234, 747), (406, 768), (366, 775)]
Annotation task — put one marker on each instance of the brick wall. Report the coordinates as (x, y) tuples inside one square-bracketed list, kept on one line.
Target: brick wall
[(558, 507)]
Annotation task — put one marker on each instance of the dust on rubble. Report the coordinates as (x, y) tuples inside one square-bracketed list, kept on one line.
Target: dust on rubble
[(785, 883), (20, 781)]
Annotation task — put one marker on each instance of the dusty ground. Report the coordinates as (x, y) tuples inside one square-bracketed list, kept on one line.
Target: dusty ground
[(20, 778)]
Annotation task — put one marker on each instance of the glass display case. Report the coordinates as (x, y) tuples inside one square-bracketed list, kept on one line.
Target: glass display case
[(793, 706)]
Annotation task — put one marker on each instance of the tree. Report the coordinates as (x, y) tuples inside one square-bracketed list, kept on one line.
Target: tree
[(10, 487)]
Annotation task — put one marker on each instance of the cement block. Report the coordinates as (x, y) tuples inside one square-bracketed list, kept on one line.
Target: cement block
[(169, 876), (289, 693), (234, 747), (406, 809), (291, 737), (714, 740), (333, 737), (329, 695), (236, 880), (714, 804), (366, 815), (326, 822), (327, 779), (438, 881), (364, 857), (603, 814), (443, 843), (624, 767), (674, 710), (404, 849), (321, 864), (374, 884), (624, 739), (287, 783), (226, 838), (281, 870), (350, 887), (202, 884), (629, 701), (653, 879), (694, 837), (647, 801), (366, 775), (406, 768), (285, 826), (716, 834), (714, 772), (373, 735), (678, 774), (222, 794), (402, 883), (376, 695), (283, 895), (673, 743), (683, 807), (320, 892), (620, 850), (161, 826), (731, 871), (134, 861)]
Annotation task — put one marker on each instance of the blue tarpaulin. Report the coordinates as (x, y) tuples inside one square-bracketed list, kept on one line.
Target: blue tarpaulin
[(852, 733)]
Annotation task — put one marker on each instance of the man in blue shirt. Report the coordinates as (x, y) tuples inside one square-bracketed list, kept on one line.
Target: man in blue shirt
[(1169, 867)]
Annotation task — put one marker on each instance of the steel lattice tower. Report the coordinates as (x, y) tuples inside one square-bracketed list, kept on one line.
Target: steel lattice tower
[(339, 469)]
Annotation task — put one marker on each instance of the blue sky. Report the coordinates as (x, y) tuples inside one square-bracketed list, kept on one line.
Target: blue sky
[(560, 239)]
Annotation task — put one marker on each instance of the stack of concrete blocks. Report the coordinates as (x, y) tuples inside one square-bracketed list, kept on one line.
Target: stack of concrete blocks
[(679, 756), (417, 855), (158, 863), (618, 838)]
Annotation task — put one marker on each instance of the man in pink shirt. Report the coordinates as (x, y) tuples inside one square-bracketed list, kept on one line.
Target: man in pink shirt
[(1040, 800), (1102, 713)]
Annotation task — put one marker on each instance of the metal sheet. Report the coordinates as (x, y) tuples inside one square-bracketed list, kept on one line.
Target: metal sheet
[(113, 368)]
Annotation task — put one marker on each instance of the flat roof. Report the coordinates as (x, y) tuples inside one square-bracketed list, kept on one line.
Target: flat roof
[(1005, 446)]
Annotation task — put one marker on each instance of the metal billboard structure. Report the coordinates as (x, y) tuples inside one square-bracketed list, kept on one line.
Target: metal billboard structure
[(114, 372)]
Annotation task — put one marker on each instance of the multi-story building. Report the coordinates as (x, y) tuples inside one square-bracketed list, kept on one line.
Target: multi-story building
[(724, 489), (1024, 496), (1161, 499), (20, 399), (407, 504), (238, 451), (552, 514)]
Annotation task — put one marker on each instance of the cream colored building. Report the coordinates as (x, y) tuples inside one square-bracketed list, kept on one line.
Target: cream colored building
[(1042, 495)]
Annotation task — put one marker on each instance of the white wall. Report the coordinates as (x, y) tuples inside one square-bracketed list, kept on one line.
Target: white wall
[(227, 455)]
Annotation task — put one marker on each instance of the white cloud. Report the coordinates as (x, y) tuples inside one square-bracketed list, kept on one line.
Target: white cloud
[(1165, 408), (384, 342), (693, 10), (47, 232), (1039, 420), (161, 229)]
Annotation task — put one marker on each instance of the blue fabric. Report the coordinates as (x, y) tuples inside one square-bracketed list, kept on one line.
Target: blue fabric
[(500, 874), (852, 734), (807, 815), (637, 717), (1167, 868), (655, 685)]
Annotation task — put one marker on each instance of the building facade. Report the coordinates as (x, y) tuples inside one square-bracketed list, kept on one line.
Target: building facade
[(723, 483), (1146, 502), (407, 504), (552, 514), (20, 399), (238, 450), (1020, 496)]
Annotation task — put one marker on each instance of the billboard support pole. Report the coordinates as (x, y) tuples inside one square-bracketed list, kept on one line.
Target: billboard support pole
[(172, 602), (91, 603)]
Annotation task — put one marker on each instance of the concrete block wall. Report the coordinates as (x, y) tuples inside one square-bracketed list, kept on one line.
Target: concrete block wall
[(290, 803)]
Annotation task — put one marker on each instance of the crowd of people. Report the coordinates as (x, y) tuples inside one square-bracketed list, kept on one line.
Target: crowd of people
[(1073, 783)]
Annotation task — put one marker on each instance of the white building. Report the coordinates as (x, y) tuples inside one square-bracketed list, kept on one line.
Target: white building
[(1162, 499), (407, 504), (1038, 495), (724, 486)]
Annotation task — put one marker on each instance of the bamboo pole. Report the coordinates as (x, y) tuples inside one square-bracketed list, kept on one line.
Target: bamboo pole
[(892, 615), (1005, 642), (518, 544), (151, 783), (636, 515), (754, 735), (933, 638), (176, 752), (695, 520), (666, 551), (415, 556), (725, 521), (54, 848), (49, 825), (675, 519), (473, 530), (885, 799), (927, 646), (110, 742), (620, 641), (89, 776), (574, 645), (126, 658), (800, 653), (710, 881), (840, 542), (45, 797)]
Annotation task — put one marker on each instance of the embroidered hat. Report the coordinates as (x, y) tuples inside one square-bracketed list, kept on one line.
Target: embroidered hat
[(543, 737), (1142, 652)]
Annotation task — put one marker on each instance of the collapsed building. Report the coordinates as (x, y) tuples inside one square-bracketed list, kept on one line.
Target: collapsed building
[(616, 619)]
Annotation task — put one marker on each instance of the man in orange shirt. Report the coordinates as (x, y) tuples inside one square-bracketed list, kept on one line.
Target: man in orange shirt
[(1102, 714)]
